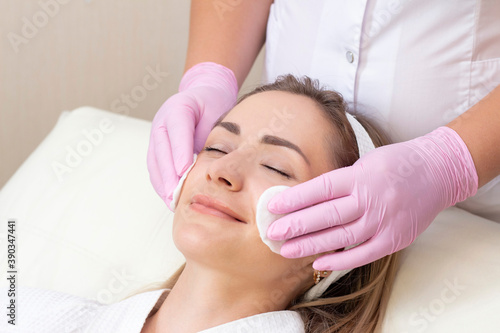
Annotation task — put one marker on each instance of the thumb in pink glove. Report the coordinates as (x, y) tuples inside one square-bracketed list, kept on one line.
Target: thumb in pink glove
[(384, 201), (181, 126)]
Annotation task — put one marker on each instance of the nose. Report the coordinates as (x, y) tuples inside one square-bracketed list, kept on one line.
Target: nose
[(226, 172)]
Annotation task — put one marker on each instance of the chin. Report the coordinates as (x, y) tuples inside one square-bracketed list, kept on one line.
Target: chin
[(204, 238)]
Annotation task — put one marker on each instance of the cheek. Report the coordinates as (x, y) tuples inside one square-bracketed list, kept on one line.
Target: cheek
[(207, 239), (270, 267), (191, 183)]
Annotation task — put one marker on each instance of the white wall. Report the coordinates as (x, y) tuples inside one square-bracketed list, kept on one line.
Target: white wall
[(58, 55)]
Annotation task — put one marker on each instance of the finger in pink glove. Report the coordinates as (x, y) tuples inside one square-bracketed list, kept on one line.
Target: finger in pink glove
[(182, 124), (385, 200)]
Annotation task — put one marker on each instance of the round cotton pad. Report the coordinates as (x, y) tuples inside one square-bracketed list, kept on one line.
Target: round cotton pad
[(265, 218), (177, 190)]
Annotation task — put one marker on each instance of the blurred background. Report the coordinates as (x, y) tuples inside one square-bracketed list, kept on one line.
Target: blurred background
[(122, 56)]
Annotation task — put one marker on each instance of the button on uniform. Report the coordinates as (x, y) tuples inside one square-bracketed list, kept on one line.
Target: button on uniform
[(349, 56)]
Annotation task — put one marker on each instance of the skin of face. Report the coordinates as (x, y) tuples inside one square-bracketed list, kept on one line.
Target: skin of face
[(235, 171)]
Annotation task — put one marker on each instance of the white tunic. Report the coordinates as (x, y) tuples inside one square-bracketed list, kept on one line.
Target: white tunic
[(47, 311), (410, 65)]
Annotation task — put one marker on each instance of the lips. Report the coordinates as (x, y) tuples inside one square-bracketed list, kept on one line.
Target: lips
[(211, 206)]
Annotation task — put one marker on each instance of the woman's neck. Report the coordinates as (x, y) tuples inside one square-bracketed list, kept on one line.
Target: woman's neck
[(203, 298)]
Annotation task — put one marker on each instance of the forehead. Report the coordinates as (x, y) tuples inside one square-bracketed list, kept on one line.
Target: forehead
[(293, 117), (277, 112)]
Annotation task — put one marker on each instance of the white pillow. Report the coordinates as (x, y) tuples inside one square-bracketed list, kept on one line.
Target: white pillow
[(88, 220), (449, 278), (102, 232)]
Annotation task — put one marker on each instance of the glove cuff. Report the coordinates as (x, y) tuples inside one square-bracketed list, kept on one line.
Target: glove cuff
[(462, 175), (211, 74)]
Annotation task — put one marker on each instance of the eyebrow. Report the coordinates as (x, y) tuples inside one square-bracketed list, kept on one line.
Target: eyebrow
[(267, 139), (231, 127)]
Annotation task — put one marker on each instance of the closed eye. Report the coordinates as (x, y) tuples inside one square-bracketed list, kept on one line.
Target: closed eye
[(214, 149), (277, 171), (266, 166)]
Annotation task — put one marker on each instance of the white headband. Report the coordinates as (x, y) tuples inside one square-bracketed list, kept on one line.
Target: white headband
[(365, 144)]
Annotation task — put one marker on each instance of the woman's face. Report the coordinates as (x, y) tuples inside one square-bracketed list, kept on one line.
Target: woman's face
[(271, 138)]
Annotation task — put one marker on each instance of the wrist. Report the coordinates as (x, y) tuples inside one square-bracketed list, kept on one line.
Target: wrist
[(210, 74), (455, 164)]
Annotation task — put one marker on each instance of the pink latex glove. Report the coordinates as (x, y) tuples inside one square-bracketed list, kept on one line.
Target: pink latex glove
[(386, 199), (181, 126)]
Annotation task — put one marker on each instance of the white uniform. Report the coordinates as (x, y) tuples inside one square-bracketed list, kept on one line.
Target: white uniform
[(410, 65)]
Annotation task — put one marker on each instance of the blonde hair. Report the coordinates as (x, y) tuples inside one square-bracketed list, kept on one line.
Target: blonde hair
[(357, 302)]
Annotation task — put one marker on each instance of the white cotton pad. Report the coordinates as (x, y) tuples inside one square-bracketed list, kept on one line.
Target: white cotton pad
[(265, 218), (177, 190)]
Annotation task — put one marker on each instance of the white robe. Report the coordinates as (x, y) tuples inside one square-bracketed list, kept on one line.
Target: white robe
[(47, 311)]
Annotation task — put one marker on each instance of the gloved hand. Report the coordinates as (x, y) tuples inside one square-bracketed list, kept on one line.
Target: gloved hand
[(181, 126), (386, 199)]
